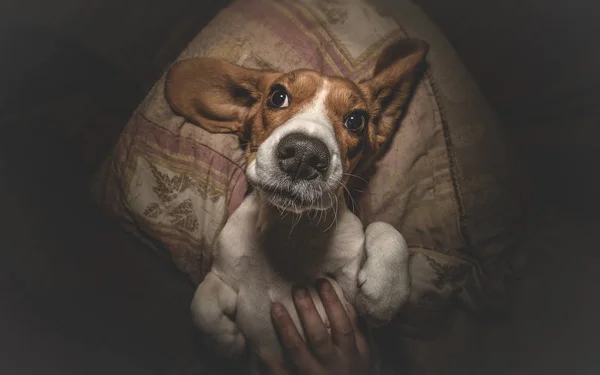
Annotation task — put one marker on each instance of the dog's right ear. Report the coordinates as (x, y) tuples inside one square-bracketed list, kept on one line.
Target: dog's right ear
[(215, 94)]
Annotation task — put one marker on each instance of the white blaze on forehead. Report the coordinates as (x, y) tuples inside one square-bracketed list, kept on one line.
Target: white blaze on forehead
[(313, 121), (315, 111)]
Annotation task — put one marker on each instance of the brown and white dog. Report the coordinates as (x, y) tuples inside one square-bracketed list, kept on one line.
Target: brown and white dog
[(307, 133)]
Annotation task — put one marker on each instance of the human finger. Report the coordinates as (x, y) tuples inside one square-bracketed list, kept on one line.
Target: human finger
[(295, 348), (361, 342), (342, 330), (315, 331)]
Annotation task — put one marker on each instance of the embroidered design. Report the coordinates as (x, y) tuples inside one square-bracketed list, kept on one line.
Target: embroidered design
[(447, 274), (183, 216), (207, 189), (152, 211), (167, 188)]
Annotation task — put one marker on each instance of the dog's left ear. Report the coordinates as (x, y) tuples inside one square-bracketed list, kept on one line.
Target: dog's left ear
[(396, 74), (215, 94)]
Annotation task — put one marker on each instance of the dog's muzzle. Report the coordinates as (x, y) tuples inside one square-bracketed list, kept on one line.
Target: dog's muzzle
[(302, 157), (298, 168)]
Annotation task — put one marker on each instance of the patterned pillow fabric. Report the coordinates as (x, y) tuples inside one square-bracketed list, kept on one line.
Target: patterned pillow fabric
[(448, 183)]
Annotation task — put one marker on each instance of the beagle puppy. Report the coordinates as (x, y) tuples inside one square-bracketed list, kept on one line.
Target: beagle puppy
[(306, 133)]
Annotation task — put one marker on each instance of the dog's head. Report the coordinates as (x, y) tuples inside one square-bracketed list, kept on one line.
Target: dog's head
[(306, 132)]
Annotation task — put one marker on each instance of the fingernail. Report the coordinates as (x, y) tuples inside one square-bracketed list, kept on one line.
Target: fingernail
[(300, 293), (277, 309), (324, 285)]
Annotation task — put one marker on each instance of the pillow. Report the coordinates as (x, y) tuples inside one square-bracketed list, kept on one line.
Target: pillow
[(447, 182)]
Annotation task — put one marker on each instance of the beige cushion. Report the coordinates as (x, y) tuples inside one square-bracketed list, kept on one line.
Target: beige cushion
[(449, 182)]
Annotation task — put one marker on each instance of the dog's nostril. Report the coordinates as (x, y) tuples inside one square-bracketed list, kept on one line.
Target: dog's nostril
[(302, 157), (322, 166), (315, 162), (286, 152)]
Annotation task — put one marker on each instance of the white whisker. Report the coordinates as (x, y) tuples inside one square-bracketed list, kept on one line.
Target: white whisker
[(295, 221), (354, 204), (334, 213), (355, 176)]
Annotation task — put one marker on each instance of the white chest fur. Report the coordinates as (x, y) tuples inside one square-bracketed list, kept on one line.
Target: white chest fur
[(260, 255), (262, 264)]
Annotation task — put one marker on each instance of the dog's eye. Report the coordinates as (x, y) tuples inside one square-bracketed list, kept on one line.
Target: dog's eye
[(355, 122), (279, 98)]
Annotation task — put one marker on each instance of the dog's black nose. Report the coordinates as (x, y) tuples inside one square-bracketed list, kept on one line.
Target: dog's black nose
[(302, 157)]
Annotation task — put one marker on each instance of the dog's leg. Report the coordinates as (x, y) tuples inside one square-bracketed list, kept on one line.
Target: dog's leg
[(213, 307), (384, 280)]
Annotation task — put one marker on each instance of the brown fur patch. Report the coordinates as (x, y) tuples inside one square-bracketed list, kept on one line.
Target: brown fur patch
[(301, 87), (344, 98)]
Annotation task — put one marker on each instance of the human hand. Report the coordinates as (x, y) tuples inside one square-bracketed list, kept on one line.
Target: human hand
[(344, 352)]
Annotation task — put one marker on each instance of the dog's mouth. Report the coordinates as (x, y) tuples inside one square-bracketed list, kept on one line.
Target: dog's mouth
[(298, 198)]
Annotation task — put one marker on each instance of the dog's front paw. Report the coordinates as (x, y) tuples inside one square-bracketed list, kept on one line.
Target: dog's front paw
[(213, 308), (384, 280), (226, 339), (377, 299)]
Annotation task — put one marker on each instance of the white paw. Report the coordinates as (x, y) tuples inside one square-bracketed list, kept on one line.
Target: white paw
[(384, 280), (213, 307), (226, 339)]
